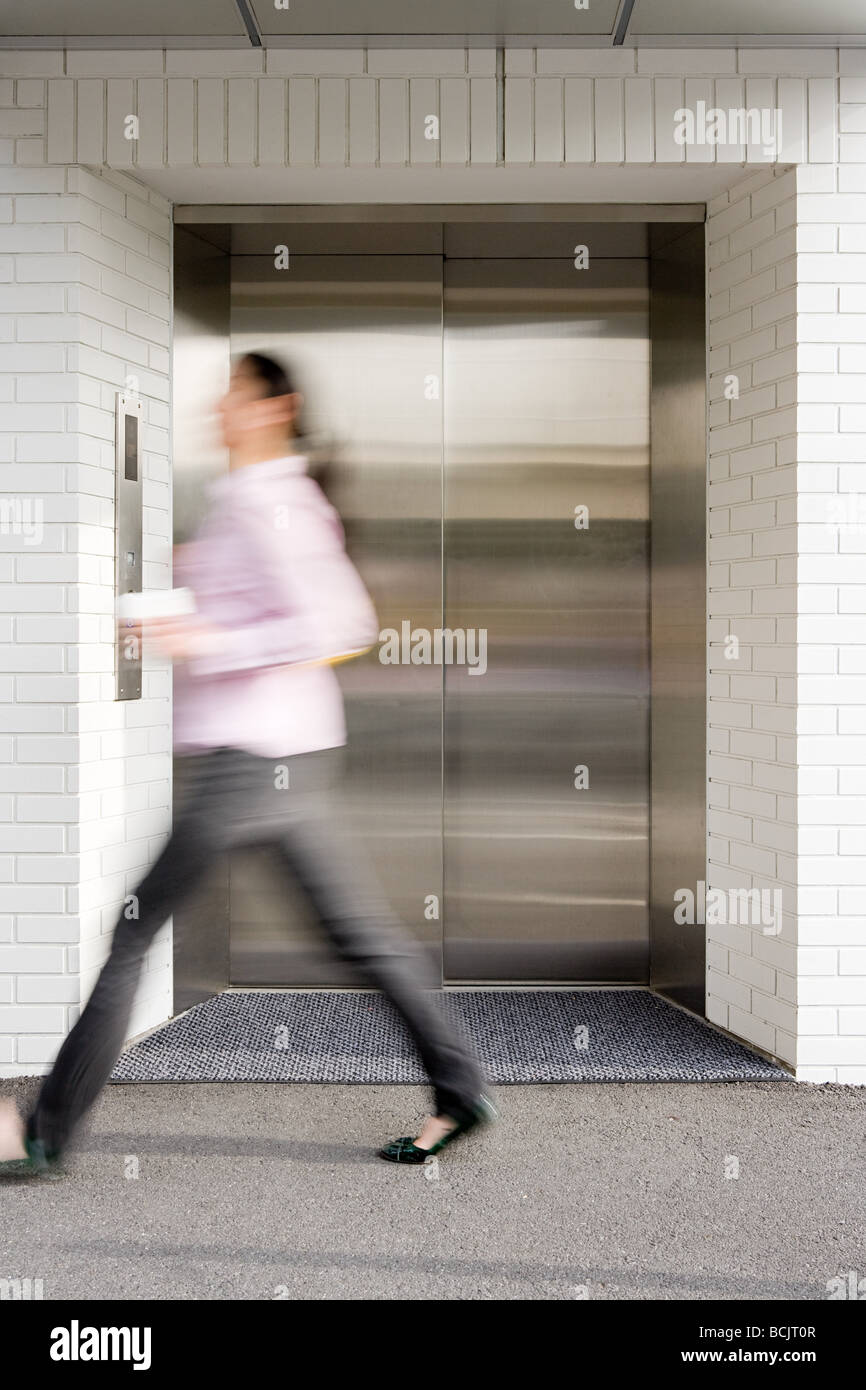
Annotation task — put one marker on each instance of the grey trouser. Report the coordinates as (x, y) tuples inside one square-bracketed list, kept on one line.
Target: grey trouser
[(234, 799)]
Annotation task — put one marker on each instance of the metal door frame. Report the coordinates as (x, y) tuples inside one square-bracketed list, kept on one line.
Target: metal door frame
[(212, 223), (228, 213)]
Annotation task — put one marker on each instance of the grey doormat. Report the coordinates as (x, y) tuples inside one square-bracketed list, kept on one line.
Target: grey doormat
[(520, 1036)]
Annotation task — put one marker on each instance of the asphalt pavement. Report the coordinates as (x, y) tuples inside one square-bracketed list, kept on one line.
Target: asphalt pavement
[(267, 1191)]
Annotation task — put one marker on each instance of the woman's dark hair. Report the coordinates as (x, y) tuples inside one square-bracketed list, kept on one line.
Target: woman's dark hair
[(274, 376)]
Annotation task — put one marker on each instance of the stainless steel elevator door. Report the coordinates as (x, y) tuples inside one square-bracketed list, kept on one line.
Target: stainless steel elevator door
[(546, 410), (459, 436), (364, 334)]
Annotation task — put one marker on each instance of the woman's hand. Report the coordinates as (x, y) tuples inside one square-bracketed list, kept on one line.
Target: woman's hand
[(184, 638)]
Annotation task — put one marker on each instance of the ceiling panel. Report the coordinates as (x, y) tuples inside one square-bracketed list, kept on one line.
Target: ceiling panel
[(452, 17), (747, 17), (122, 18), (157, 22)]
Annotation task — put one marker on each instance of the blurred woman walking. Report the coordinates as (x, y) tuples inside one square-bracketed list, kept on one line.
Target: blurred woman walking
[(277, 604)]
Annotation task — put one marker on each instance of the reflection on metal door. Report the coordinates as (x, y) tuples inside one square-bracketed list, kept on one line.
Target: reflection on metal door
[(364, 335), (546, 390)]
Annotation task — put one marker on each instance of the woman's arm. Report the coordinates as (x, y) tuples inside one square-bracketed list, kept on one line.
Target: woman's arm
[(316, 607)]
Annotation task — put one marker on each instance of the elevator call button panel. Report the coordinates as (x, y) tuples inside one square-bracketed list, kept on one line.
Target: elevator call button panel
[(127, 541)]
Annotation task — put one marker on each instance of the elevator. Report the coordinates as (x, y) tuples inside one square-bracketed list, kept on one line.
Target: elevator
[(494, 400)]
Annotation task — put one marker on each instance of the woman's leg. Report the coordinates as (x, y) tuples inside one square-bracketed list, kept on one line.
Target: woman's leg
[(344, 893), (88, 1054)]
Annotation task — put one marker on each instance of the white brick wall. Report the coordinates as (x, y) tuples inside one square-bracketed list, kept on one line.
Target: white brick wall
[(752, 599), (365, 109), (84, 302), (787, 526), (831, 624), (83, 259)]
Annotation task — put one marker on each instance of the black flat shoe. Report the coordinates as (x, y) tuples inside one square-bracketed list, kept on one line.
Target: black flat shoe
[(405, 1150), (37, 1164)]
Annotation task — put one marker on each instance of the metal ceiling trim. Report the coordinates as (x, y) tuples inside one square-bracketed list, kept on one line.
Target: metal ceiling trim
[(746, 41), (620, 28), (244, 9), (414, 41), (187, 214), (122, 42)]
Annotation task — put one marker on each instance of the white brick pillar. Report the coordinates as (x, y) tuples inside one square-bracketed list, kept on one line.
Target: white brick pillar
[(752, 826), (831, 609), (84, 304), (787, 609)]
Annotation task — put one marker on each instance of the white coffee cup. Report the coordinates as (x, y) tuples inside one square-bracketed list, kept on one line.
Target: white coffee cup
[(155, 603)]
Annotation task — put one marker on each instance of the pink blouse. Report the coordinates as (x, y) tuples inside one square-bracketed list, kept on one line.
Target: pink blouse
[(268, 566)]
